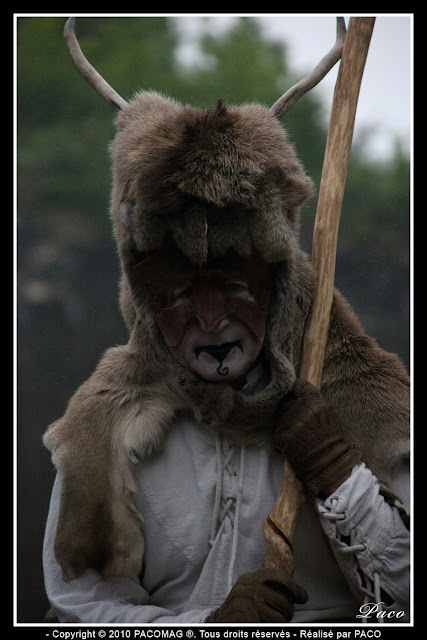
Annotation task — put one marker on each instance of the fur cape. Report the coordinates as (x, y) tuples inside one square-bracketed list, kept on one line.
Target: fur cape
[(206, 182)]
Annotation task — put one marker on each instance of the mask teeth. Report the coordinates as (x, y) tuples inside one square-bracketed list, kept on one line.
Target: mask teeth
[(220, 352)]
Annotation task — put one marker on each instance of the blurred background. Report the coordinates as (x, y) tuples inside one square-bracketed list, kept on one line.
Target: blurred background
[(67, 267)]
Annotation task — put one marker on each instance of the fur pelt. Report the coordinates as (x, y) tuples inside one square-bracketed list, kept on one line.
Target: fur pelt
[(206, 182)]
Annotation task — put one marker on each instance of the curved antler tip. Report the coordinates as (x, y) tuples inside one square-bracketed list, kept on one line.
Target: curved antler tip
[(69, 27), (282, 106), (70, 23), (341, 28), (86, 69)]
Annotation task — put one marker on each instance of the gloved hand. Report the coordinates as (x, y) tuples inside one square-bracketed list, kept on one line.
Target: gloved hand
[(266, 595), (310, 437)]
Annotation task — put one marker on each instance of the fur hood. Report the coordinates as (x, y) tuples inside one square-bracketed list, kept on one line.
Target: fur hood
[(205, 180), (208, 182)]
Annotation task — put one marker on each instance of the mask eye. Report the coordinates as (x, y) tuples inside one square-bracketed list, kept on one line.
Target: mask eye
[(240, 289), (178, 296)]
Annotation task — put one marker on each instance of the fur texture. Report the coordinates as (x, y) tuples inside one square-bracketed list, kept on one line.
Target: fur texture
[(206, 182)]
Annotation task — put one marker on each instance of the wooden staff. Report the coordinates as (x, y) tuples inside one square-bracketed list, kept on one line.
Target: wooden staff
[(280, 523)]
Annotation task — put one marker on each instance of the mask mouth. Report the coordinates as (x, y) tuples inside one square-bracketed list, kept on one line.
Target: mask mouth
[(219, 352)]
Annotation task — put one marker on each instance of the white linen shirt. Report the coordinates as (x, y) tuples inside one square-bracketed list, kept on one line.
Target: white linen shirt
[(203, 499)]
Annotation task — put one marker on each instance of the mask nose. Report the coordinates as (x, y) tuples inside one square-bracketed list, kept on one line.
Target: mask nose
[(215, 326), (211, 305)]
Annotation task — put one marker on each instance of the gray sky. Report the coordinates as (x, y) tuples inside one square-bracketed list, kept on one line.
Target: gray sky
[(385, 100)]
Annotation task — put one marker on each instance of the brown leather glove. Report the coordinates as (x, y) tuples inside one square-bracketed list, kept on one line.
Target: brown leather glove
[(266, 595), (310, 437)]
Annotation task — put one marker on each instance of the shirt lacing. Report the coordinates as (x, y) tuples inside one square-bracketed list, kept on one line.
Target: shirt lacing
[(227, 506), (370, 587)]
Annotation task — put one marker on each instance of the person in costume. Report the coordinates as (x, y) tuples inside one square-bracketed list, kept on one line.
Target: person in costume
[(169, 456)]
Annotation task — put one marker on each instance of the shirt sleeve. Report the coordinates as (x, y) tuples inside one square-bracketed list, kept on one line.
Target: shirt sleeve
[(89, 598), (371, 544)]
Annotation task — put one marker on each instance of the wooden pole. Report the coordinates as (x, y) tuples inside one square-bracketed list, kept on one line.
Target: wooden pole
[(331, 193), (280, 523)]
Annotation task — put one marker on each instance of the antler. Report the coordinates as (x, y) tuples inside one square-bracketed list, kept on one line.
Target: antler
[(283, 104), (87, 71), (279, 108)]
